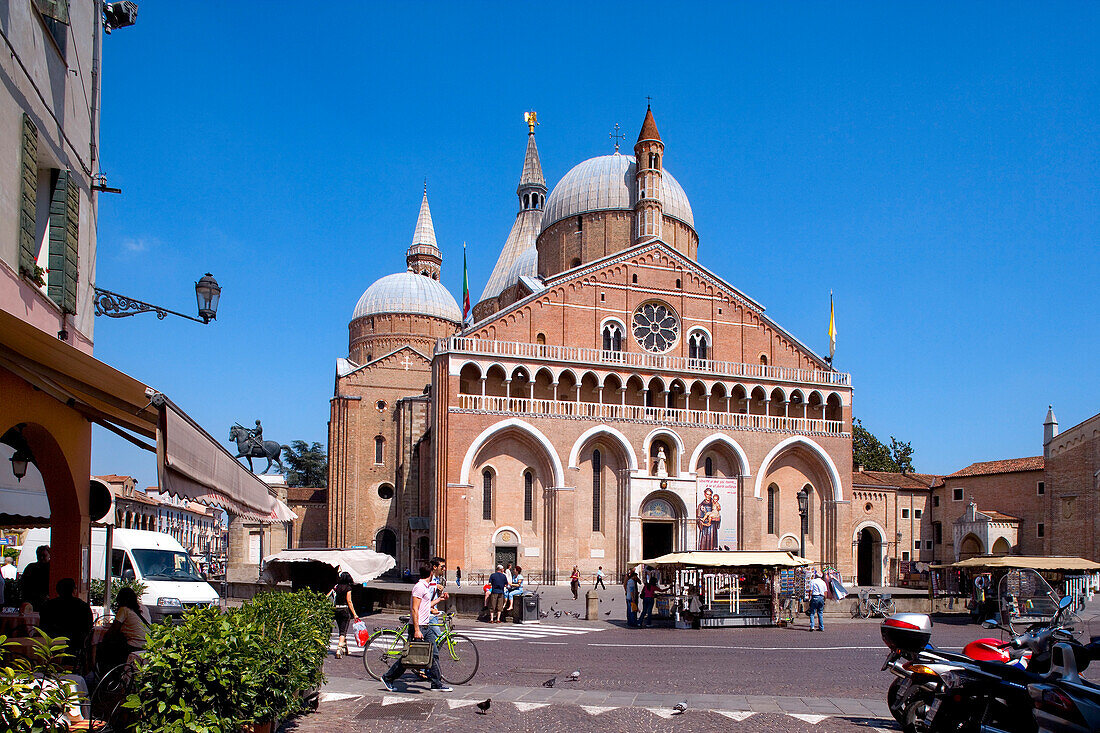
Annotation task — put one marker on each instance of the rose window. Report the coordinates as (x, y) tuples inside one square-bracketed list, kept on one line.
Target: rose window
[(655, 327)]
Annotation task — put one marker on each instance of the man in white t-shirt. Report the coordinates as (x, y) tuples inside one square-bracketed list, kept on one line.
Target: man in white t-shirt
[(818, 589), (7, 570), (422, 629)]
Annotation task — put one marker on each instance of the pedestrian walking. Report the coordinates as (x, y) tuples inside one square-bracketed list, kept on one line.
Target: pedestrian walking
[(458, 576), (420, 618), (575, 582), (498, 582), (817, 601), (631, 587), (599, 579), (345, 610)]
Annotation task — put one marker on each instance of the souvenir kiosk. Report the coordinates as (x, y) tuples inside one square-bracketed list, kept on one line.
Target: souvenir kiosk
[(714, 589)]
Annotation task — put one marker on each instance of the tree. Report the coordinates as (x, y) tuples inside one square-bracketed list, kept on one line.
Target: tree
[(307, 465), (871, 453)]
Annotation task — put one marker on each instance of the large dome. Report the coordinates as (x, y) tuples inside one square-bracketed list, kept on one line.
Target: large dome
[(408, 292), (607, 182)]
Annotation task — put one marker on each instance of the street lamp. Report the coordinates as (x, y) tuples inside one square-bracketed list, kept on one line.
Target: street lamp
[(19, 460), (803, 508), (115, 305)]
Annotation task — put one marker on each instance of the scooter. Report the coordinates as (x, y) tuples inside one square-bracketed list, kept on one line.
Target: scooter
[(1066, 703), (985, 688)]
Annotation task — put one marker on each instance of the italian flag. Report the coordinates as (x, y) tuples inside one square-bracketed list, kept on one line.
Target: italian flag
[(465, 287)]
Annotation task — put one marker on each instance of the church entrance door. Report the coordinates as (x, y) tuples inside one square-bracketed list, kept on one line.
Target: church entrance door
[(505, 555), (656, 539), (867, 557)]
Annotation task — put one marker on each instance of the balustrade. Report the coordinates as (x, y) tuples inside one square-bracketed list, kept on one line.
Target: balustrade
[(640, 413)]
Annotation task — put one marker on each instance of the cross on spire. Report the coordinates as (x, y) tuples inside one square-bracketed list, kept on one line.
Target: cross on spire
[(616, 136), (648, 101)]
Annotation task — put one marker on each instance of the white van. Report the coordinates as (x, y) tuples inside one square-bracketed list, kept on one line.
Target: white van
[(172, 581)]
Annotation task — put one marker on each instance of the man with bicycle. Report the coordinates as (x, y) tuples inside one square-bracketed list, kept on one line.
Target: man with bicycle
[(424, 600)]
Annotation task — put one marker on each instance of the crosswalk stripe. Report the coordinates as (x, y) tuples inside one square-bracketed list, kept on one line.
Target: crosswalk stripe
[(810, 718), (524, 707)]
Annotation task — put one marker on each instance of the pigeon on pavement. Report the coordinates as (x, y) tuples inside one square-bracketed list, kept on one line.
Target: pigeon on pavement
[(680, 707), (575, 675), (608, 613), (483, 707), (550, 682)]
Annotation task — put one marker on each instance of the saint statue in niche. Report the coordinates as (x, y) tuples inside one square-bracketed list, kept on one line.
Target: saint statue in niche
[(662, 468)]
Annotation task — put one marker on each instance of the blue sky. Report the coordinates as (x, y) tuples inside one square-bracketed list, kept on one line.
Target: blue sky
[(934, 165)]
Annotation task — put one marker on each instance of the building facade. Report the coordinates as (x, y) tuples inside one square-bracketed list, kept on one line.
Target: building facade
[(614, 400), (199, 528)]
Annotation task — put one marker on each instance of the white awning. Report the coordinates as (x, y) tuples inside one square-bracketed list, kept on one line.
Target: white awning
[(730, 559), (363, 565)]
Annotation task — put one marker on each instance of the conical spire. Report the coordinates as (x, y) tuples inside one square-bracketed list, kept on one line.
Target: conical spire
[(425, 230), (532, 168), (649, 127), (423, 255)]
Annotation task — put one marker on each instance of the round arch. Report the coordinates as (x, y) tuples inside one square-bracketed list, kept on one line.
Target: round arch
[(665, 432), (506, 528), (798, 440), (611, 433), (724, 440), (519, 426)]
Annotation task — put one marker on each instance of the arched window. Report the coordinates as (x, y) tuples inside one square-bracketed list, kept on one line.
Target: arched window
[(487, 494), (526, 201), (654, 161), (596, 477), (698, 346), (613, 338), (634, 279), (708, 467), (773, 509), (528, 496), (764, 359), (580, 224), (379, 444)]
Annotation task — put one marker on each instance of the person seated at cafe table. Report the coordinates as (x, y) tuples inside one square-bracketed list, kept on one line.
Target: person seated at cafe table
[(127, 632), (67, 615)]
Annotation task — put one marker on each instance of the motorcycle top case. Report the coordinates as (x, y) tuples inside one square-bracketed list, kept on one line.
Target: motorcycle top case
[(907, 632)]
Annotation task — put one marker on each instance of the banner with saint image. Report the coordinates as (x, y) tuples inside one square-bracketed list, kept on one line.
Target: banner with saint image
[(716, 513)]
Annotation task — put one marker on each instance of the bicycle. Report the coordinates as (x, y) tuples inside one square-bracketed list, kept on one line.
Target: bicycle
[(457, 654), (867, 606)]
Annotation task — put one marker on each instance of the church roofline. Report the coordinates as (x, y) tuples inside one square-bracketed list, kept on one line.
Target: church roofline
[(358, 367), (616, 257)]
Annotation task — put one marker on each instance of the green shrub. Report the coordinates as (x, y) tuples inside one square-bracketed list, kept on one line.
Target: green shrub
[(216, 672), (97, 587), (27, 705)]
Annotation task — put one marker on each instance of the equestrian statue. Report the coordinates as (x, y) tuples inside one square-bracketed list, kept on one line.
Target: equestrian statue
[(251, 444)]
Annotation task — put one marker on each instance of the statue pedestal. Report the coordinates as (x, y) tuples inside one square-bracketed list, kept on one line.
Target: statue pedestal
[(250, 541)]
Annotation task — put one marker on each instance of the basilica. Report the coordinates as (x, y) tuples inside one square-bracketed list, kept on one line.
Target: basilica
[(613, 399)]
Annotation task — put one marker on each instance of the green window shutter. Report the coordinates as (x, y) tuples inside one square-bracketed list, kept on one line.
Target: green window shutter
[(28, 185), (64, 241)]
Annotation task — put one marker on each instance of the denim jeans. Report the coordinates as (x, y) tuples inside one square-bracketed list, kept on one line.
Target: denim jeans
[(631, 614), (431, 633), (647, 611), (817, 608)]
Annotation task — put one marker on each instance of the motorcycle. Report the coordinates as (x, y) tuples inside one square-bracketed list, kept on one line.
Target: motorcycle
[(1066, 703), (985, 688)]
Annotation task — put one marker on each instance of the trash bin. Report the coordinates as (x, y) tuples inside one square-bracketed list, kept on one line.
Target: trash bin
[(529, 609)]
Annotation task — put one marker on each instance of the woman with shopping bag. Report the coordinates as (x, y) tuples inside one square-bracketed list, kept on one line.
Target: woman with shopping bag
[(345, 610)]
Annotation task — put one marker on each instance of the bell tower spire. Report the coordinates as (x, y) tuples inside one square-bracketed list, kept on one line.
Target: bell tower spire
[(532, 186), (648, 154), (423, 256)]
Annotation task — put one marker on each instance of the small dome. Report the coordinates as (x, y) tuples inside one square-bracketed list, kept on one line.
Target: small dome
[(527, 263), (408, 292), (607, 183)]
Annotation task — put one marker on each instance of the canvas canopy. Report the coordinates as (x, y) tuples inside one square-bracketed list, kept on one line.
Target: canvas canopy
[(191, 464), (1052, 564), (730, 559), (363, 565)]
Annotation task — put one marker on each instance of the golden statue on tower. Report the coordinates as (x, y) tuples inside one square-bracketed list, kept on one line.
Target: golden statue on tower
[(531, 119)]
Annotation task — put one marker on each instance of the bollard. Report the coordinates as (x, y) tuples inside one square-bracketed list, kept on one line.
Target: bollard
[(591, 606)]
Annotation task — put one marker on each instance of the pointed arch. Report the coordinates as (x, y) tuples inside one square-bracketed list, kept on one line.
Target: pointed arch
[(726, 440), (812, 447), (505, 426), (613, 434)]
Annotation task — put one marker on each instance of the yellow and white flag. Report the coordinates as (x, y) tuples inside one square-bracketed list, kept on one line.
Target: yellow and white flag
[(832, 328)]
